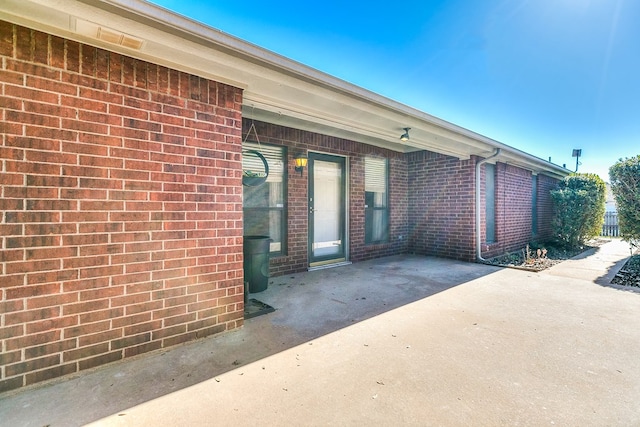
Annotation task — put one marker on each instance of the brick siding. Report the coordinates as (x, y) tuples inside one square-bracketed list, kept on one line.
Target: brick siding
[(442, 208), (297, 141), (121, 207), (441, 205), (545, 207), (513, 210)]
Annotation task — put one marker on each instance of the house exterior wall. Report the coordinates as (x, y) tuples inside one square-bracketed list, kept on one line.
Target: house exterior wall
[(297, 141), (513, 208), (121, 207), (441, 205), (545, 207)]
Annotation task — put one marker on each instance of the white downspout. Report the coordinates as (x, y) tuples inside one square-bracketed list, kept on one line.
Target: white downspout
[(478, 234)]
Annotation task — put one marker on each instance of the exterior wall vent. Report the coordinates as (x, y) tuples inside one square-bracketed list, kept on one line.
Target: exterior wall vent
[(105, 34)]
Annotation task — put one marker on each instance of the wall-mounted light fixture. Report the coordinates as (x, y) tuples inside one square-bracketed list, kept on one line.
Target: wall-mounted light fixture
[(301, 162), (405, 135)]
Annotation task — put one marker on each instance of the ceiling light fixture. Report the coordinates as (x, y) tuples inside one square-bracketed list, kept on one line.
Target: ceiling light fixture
[(405, 135)]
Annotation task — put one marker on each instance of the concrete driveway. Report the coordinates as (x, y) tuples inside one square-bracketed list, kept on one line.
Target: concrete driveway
[(399, 341)]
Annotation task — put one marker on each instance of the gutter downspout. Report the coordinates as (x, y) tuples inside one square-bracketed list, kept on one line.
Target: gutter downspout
[(478, 234)]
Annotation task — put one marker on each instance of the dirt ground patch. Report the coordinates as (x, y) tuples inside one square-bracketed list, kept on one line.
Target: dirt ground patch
[(538, 259)]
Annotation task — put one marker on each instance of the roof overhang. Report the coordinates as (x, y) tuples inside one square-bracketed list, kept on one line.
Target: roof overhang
[(276, 89)]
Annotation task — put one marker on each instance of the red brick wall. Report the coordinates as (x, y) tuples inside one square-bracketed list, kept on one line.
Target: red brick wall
[(513, 210), (441, 205), (398, 206), (121, 207), (442, 209), (296, 259), (545, 207)]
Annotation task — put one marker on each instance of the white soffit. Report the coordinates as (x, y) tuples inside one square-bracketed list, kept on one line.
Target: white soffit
[(276, 89)]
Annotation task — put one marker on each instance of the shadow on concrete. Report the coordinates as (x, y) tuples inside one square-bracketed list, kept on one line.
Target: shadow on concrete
[(308, 305), (605, 279), (587, 253)]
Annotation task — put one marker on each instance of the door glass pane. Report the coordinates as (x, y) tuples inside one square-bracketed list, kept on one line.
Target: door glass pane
[(327, 188)]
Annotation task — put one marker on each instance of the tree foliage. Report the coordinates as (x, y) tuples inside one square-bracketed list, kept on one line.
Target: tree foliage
[(578, 209), (625, 184)]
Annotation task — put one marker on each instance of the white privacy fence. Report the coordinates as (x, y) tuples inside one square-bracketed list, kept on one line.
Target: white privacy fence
[(610, 227)]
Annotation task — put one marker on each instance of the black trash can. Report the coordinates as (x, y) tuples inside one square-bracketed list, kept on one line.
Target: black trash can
[(256, 262)]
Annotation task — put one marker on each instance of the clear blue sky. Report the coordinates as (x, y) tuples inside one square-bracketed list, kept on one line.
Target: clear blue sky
[(543, 76)]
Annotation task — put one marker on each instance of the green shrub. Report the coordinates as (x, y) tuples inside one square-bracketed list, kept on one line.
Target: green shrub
[(578, 209), (625, 184)]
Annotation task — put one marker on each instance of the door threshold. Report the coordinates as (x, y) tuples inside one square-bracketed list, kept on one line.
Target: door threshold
[(322, 266)]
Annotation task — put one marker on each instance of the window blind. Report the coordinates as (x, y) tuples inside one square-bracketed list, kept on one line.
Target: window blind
[(273, 155), (375, 175)]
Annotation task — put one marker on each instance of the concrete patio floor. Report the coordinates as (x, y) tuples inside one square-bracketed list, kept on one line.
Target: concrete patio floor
[(404, 340)]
